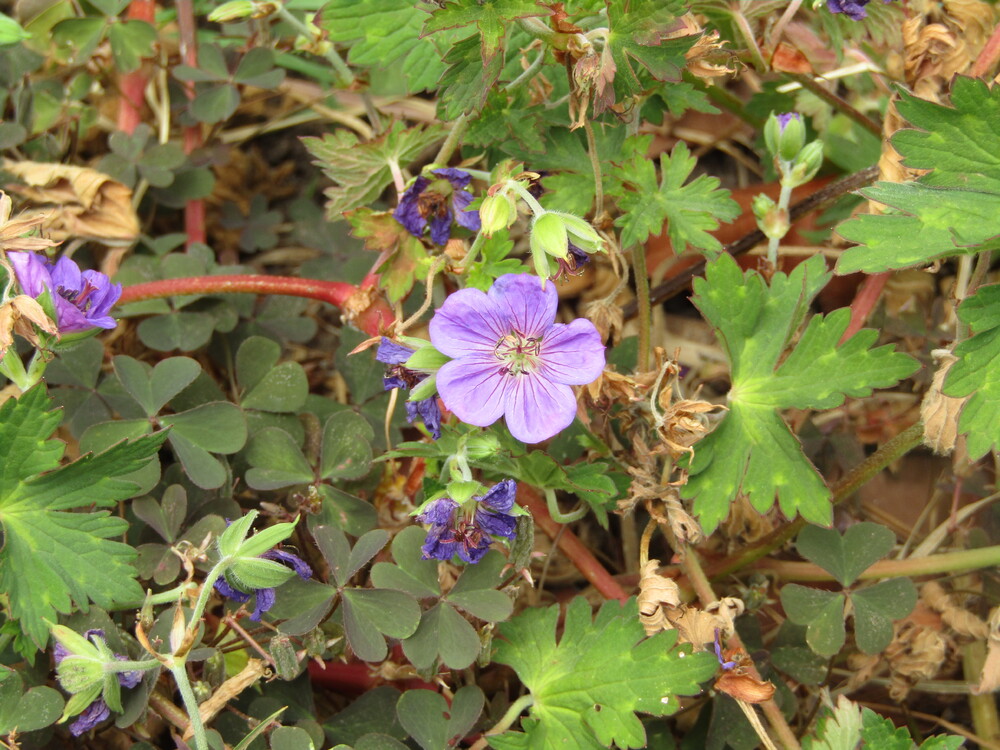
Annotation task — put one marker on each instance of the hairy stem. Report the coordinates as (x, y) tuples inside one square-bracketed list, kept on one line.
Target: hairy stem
[(595, 164), (450, 144), (331, 55), (784, 198), (644, 305), (179, 671), (817, 88), (947, 562)]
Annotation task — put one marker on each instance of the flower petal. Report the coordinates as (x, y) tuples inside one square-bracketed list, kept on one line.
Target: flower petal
[(428, 412), (500, 496), (265, 600), (572, 354), (536, 408), (223, 587), (90, 717), (530, 309), (497, 524), (391, 353), (459, 178), (439, 512), (468, 219), (469, 322), (407, 212), (435, 547), (441, 228), (295, 562), (474, 389), (32, 273)]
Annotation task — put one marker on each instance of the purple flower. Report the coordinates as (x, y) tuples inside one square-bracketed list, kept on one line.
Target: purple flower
[(426, 410), (468, 532), (97, 711), (510, 357), (787, 117), (265, 597), (855, 9), (82, 299), (438, 202)]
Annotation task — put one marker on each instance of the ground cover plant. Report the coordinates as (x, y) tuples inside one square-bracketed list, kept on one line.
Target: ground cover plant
[(387, 374)]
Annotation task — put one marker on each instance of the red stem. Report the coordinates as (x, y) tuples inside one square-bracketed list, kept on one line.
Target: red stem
[(194, 211), (133, 85), (864, 302), (988, 56), (571, 546), (367, 310)]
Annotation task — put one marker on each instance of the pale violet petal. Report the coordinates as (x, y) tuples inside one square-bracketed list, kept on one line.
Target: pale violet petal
[(572, 354), (468, 322), (474, 389), (530, 309), (536, 408)]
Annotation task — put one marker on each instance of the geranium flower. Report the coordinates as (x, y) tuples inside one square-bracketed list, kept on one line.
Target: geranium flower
[(97, 711), (426, 410), (468, 531), (438, 202), (854, 9), (510, 357), (265, 596), (82, 299)]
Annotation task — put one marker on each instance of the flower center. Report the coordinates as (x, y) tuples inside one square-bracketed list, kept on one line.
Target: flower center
[(78, 298), (518, 352), (433, 202)]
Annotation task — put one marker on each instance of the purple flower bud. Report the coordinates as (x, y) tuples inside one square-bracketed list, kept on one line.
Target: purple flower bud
[(83, 300), (787, 117)]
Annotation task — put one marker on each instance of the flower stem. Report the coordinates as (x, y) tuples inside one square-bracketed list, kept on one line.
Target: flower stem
[(179, 672), (784, 198), (369, 313), (12, 368), (642, 305), (534, 205), (595, 164), (131, 666), (331, 55), (553, 505), (450, 144), (513, 712)]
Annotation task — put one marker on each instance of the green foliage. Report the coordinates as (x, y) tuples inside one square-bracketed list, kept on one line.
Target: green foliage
[(404, 258), (363, 170), (492, 17), (133, 156), (752, 451), (587, 688), (847, 726), (976, 373), (72, 556), (130, 40), (216, 92), (690, 211), (949, 211), (432, 722), (493, 262), (875, 607), (26, 710)]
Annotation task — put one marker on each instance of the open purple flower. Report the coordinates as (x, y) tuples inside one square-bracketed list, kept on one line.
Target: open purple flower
[(265, 597), (854, 9), (97, 711), (510, 358), (82, 299), (426, 410), (468, 531), (438, 202)]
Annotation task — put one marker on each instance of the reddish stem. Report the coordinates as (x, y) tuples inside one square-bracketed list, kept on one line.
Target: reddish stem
[(864, 302), (367, 310), (194, 211), (133, 85), (571, 546), (988, 56)]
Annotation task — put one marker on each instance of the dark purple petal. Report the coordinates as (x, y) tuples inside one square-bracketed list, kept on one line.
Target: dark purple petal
[(439, 512), (131, 678), (295, 562), (497, 524), (428, 412), (441, 228), (90, 717), (391, 353), (459, 178), (572, 353), (473, 547), (440, 543), (407, 212), (536, 408), (500, 496), (469, 321), (465, 218), (32, 272), (474, 388), (393, 382), (265, 600), (530, 309), (854, 9), (223, 587)]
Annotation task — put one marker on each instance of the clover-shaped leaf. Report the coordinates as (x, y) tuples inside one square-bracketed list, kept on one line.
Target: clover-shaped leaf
[(848, 556), (432, 722)]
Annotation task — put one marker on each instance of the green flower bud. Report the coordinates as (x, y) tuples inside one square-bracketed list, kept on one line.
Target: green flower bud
[(232, 11), (548, 235), (482, 446), (497, 212), (582, 234), (807, 164), (773, 221), (785, 134)]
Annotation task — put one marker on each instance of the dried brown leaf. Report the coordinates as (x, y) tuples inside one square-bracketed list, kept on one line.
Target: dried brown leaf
[(940, 412), (657, 594)]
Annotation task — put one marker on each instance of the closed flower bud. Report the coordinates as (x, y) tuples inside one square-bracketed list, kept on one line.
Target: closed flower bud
[(232, 11), (485, 445), (582, 234), (497, 212), (807, 164), (548, 235), (785, 134)]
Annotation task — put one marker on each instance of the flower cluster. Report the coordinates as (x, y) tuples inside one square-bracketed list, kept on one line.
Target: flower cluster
[(98, 710), (82, 299), (510, 358), (438, 202), (426, 410), (467, 530), (265, 596)]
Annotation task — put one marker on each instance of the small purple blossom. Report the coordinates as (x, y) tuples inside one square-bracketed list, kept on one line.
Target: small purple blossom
[(82, 299), (265, 597), (438, 202), (97, 711), (469, 531), (787, 117), (426, 410), (854, 9), (510, 358)]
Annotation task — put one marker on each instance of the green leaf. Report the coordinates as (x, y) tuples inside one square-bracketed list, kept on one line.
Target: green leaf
[(977, 372), (467, 81), (217, 426), (22, 711), (752, 451), (432, 722), (952, 209), (347, 450), (130, 42), (845, 557), (878, 731), (256, 68), (493, 262), (283, 389), (276, 461), (875, 608), (362, 170), (215, 103), (152, 388), (72, 556), (442, 634), (370, 612), (492, 17), (588, 687), (11, 33), (821, 611), (690, 211), (475, 590), (837, 729), (411, 573), (181, 330)]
